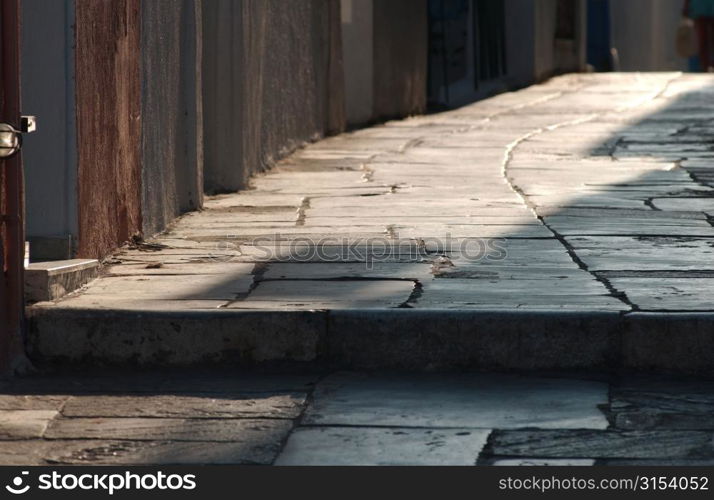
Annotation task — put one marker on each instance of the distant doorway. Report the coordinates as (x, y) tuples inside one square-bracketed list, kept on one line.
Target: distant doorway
[(467, 49), (489, 22)]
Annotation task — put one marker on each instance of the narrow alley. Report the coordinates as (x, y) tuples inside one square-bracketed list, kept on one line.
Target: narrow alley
[(565, 225), (356, 232)]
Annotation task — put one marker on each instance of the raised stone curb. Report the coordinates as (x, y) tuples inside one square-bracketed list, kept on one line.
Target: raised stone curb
[(161, 338), (404, 339)]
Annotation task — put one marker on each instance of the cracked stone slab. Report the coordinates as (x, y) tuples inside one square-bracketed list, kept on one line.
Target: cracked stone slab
[(31, 402), (187, 406), (468, 401), (251, 200), (553, 462), (305, 234), (497, 250), (519, 293), (224, 268), (423, 218), (225, 286), (169, 429), (590, 444), (366, 294), (462, 201), (382, 446), (611, 253), (475, 258), (472, 231), (656, 462), (99, 303), (284, 213), (630, 227), (328, 270), (24, 424), (231, 227), (644, 213), (663, 404), (674, 294), (685, 204), (460, 289), (510, 272), (573, 200), (247, 449)]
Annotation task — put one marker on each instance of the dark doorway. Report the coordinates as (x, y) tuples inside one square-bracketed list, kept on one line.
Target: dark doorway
[(467, 47), (489, 21), (598, 41)]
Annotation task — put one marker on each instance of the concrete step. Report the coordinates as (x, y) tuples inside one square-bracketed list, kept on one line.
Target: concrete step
[(405, 339), (53, 280)]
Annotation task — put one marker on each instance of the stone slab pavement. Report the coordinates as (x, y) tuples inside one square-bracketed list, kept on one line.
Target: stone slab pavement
[(349, 418), (582, 204)]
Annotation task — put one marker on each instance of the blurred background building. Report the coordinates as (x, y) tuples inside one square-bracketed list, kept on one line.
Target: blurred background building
[(479, 47), (635, 35)]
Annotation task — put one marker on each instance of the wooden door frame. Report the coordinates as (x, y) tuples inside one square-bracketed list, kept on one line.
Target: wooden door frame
[(12, 196)]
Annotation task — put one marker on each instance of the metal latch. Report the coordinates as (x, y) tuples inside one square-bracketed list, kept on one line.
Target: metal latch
[(11, 138)]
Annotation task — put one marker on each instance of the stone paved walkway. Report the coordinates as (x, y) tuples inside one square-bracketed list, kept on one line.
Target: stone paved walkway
[(587, 194), (192, 417), (566, 225)]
